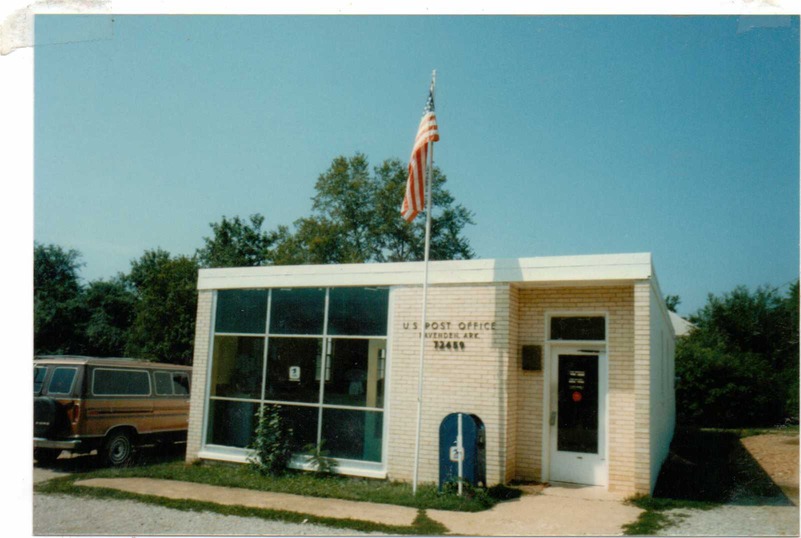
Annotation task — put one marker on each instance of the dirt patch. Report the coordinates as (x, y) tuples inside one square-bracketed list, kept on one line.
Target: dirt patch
[(778, 455)]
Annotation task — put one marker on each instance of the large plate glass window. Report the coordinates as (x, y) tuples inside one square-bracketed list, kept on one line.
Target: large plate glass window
[(320, 354), (237, 367), (297, 311), (241, 311)]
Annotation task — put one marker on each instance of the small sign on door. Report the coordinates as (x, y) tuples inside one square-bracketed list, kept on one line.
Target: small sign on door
[(294, 373), (456, 453)]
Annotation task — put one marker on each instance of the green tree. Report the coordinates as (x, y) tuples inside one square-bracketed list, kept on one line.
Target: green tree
[(110, 309), (166, 301), (58, 309), (237, 243), (739, 367), (356, 219)]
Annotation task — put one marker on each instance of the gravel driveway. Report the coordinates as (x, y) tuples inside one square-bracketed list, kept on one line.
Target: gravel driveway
[(733, 520), (64, 514)]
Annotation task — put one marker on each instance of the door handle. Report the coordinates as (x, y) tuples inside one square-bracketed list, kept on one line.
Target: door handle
[(553, 418)]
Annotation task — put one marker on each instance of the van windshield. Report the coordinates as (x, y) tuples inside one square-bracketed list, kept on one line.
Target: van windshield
[(38, 379)]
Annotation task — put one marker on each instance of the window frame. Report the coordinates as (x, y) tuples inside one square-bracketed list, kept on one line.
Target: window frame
[(362, 467)]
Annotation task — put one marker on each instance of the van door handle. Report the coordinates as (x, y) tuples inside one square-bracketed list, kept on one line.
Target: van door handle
[(553, 418)]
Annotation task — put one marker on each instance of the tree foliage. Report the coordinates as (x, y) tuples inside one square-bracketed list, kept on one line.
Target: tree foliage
[(57, 300), (739, 367), (355, 218), (110, 307), (236, 243), (163, 325)]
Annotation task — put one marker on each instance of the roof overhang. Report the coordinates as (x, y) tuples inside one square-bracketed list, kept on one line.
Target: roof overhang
[(602, 269)]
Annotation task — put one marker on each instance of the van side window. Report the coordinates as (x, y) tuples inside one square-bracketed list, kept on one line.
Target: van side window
[(61, 381), (180, 383), (38, 379), (119, 382), (163, 383)]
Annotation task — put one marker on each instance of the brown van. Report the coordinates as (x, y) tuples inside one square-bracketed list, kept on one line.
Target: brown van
[(82, 404)]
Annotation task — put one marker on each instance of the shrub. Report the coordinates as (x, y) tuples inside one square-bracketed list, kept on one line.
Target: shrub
[(271, 441)]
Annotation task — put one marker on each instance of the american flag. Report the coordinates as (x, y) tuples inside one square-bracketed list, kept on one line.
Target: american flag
[(414, 201)]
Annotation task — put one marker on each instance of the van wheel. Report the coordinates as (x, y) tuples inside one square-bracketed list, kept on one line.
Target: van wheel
[(118, 449), (46, 456)]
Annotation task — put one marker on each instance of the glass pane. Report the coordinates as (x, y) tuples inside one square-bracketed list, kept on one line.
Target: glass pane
[(237, 366), (38, 379), (241, 311), (303, 421), (297, 311), (586, 328), (231, 423), (180, 384), (293, 369), (578, 403), (355, 435), (163, 383), (358, 311), (61, 382), (355, 374), (120, 383)]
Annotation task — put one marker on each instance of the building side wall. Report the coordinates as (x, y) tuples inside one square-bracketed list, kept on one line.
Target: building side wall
[(618, 304), (199, 368), (473, 380), (513, 388), (662, 390), (642, 387)]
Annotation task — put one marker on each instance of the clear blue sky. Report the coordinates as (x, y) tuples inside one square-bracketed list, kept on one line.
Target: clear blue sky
[(565, 135)]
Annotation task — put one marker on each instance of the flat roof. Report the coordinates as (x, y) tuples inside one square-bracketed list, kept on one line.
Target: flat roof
[(548, 270)]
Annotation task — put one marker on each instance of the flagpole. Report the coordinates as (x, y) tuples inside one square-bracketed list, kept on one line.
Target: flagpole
[(429, 180)]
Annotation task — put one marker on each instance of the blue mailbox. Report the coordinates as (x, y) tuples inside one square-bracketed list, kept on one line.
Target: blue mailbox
[(462, 441)]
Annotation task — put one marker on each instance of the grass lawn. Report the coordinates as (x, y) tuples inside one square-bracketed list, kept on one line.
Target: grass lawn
[(705, 468), (296, 482)]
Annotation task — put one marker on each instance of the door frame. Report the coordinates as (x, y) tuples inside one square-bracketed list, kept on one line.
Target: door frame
[(550, 349)]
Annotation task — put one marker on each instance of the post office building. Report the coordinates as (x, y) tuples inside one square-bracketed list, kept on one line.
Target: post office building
[(564, 363)]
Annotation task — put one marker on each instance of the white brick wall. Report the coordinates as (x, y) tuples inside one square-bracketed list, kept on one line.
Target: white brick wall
[(474, 380), (624, 387), (199, 368), (486, 378)]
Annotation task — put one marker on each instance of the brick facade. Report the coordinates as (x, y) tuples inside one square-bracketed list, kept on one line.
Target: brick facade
[(493, 320), (199, 369), (486, 378)]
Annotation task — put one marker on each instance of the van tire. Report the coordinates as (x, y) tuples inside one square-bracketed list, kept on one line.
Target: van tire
[(46, 456), (117, 449)]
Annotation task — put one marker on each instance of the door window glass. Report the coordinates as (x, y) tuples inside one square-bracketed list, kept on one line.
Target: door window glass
[(578, 403)]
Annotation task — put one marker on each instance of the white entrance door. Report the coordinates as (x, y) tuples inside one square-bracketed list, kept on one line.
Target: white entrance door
[(578, 387)]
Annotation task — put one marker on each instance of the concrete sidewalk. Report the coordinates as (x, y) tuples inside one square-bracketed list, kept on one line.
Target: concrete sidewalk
[(387, 514), (559, 510)]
